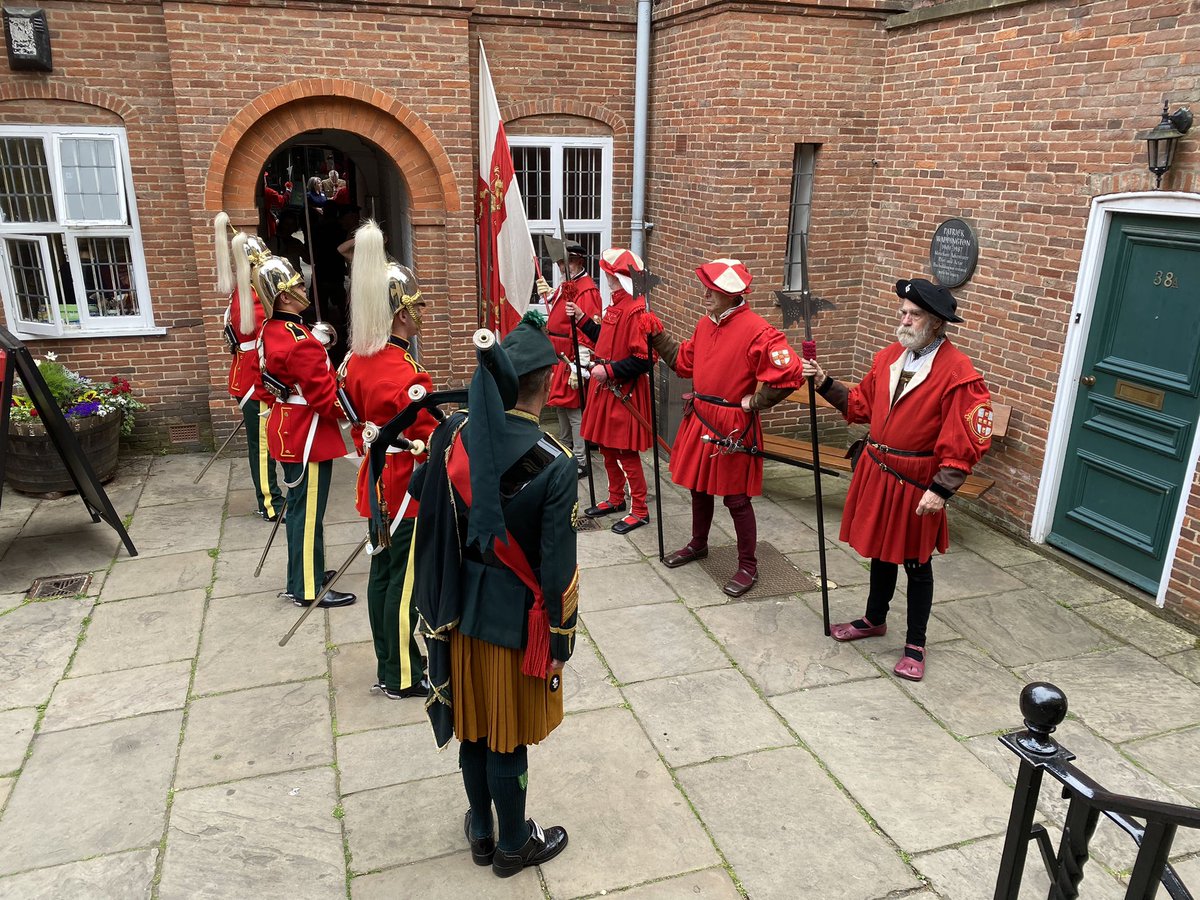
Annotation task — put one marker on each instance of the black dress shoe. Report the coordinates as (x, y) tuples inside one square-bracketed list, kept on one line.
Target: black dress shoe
[(604, 508), (482, 849), (420, 689), (683, 556), (541, 847), (327, 576), (627, 524), (331, 599)]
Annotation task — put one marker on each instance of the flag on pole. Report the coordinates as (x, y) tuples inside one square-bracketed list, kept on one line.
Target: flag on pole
[(505, 247)]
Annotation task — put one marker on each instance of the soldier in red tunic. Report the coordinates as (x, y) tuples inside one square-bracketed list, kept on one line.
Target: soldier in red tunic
[(619, 380), (244, 319), (577, 287), (385, 309), (302, 429), (931, 421), (731, 350)]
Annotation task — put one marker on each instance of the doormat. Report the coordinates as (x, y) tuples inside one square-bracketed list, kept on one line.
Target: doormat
[(776, 575)]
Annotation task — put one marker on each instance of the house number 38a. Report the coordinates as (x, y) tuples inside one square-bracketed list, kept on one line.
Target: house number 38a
[(1166, 279)]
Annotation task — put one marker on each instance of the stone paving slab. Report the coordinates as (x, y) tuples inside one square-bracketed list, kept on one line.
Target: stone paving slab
[(598, 776), (603, 548), (935, 793), (692, 584), (677, 531), (1122, 694), (388, 756), (586, 683), (177, 528), (10, 601), (259, 731), (352, 625), (631, 584), (127, 876), (358, 707), (140, 631), (241, 644), (780, 645), (117, 695), (36, 641), (167, 486), (1021, 627), (57, 554), (269, 837), (6, 785), (1186, 664), (840, 567), (247, 533), (997, 548), (119, 776), (449, 876), (1061, 584), (1167, 757), (68, 514), (641, 642), (987, 705), (1136, 626), (967, 574), (709, 884), (407, 823), (694, 718), (765, 810), (16, 731), (235, 570), (144, 576)]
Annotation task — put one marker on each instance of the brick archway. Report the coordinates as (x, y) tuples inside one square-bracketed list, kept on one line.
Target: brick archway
[(30, 90), (548, 106), (275, 117)]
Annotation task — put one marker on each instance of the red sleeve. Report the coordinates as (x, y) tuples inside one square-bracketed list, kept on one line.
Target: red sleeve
[(685, 360), (774, 362), (966, 432), (310, 363), (423, 427)]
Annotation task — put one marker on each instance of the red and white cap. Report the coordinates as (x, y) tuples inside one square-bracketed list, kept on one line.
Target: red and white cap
[(622, 264), (728, 276)]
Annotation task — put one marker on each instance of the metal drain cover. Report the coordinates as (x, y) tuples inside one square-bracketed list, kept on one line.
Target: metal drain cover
[(587, 523), (59, 586), (776, 575)]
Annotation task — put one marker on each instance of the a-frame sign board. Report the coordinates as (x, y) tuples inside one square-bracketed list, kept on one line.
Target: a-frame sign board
[(15, 361)]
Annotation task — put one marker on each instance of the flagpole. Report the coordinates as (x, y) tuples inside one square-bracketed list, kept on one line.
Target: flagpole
[(478, 275)]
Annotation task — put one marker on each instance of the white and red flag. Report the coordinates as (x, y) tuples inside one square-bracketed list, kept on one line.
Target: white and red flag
[(506, 253)]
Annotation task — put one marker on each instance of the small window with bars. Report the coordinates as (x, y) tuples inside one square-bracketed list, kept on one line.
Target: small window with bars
[(803, 168), (71, 259)]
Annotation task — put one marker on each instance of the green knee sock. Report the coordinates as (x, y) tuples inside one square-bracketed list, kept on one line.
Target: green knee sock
[(472, 759), (507, 779)]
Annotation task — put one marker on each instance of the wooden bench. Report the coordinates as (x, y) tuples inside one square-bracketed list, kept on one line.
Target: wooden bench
[(833, 460)]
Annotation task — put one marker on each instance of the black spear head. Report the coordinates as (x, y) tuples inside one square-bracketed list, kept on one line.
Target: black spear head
[(800, 307), (644, 282)]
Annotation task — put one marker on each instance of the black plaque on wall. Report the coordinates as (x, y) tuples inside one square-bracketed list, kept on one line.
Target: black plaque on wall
[(953, 253)]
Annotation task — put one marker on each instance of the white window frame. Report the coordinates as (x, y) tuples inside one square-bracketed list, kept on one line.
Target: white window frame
[(43, 329), (70, 232), (550, 226)]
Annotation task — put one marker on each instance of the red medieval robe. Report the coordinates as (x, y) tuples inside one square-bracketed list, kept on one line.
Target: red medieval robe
[(244, 380), (945, 408), (606, 421), (303, 428), (377, 386), (726, 361), (584, 293)]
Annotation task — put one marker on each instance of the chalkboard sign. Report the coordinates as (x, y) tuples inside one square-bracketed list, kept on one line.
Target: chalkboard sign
[(953, 253)]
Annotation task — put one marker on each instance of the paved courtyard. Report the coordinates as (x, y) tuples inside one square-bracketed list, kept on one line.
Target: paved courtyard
[(155, 741)]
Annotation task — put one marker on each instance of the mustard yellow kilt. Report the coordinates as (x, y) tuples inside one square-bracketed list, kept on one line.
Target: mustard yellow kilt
[(494, 700)]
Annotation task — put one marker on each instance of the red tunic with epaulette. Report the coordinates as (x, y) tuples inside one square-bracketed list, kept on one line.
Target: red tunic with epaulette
[(243, 368), (725, 361), (303, 428), (377, 386), (582, 291), (946, 408), (606, 421)]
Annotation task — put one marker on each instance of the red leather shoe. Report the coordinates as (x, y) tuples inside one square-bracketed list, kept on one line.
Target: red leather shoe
[(909, 668), (683, 556), (846, 631), (741, 582)]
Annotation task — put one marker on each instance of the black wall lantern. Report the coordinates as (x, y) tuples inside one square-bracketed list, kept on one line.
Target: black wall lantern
[(1162, 138)]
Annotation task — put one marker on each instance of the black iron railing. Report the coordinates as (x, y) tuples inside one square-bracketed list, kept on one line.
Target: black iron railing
[(1150, 823)]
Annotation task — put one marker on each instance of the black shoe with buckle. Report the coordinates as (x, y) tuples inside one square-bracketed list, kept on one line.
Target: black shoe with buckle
[(330, 600), (627, 524), (420, 689), (604, 508), (482, 849), (541, 847)]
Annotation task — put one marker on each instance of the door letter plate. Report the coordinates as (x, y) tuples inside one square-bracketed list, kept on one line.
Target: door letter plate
[(1151, 398)]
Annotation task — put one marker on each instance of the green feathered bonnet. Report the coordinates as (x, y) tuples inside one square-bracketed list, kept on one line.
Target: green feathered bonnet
[(527, 345)]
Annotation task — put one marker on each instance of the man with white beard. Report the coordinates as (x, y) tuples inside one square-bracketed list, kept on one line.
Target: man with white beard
[(931, 420)]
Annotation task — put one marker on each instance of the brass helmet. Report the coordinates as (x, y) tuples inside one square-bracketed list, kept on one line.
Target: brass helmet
[(404, 292), (256, 251), (275, 277), (379, 289)]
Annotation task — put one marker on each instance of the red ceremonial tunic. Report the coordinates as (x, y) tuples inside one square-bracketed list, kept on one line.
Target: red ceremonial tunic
[(946, 408), (304, 428), (606, 421), (243, 368), (378, 389), (584, 293), (727, 360)]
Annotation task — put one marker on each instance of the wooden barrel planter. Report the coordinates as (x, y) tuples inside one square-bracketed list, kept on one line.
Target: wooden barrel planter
[(33, 466)]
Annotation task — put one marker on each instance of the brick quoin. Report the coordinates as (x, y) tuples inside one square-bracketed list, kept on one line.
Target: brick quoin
[(1013, 117)]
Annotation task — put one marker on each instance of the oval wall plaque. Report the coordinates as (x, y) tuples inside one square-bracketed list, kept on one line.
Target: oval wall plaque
[(953, 253)]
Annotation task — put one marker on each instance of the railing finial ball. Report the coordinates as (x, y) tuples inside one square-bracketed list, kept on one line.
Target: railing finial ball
[(1044, 706)]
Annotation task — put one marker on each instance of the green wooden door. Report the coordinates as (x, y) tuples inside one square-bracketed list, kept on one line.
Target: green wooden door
[(1139, 400)]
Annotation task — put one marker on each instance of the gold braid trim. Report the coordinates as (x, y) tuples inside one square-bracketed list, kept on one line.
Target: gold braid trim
[(569, 633), (570, 597)]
